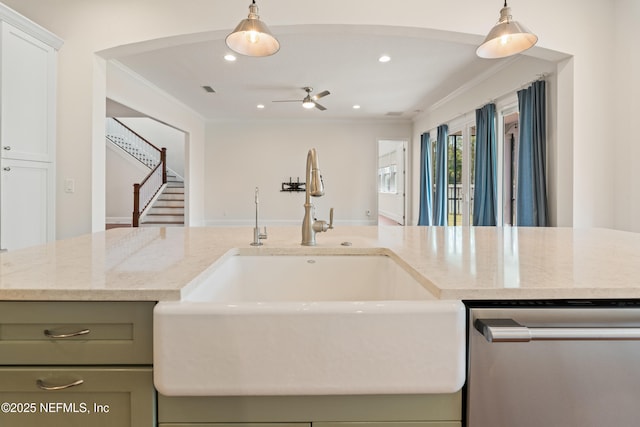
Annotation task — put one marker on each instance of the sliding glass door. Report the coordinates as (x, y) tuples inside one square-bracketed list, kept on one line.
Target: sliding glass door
[(510, 138), (460, 162)]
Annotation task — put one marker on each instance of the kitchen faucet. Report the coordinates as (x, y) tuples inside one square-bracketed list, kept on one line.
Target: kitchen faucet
[(313, 187), (257, 236)]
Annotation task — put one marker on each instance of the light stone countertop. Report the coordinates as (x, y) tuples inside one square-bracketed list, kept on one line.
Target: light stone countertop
[(155, 264)]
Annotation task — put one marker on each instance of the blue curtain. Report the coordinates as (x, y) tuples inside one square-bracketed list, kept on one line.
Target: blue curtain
[(426, 186), (486, 184), (440, 202), (531, 198)]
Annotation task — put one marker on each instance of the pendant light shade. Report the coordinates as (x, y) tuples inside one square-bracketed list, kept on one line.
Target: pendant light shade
[(507, 38), (252, 36)]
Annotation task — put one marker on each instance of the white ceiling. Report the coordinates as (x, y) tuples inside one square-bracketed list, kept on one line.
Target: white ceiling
[(344, 61)]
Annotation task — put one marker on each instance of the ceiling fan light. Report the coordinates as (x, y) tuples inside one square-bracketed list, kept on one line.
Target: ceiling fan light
[(506, 38), (252, 37), (309, 101)]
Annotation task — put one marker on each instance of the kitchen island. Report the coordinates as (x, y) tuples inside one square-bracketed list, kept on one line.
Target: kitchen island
[(109, 282), (155, 264)]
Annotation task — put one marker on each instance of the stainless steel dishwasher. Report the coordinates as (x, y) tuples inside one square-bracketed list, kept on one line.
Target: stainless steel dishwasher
[(550, 363)]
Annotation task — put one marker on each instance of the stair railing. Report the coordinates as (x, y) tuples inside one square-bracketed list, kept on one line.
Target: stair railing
[(144, 192), (147, 153), (131, 142)]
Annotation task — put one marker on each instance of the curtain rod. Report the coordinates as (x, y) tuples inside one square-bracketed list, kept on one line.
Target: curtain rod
[(539, 77)]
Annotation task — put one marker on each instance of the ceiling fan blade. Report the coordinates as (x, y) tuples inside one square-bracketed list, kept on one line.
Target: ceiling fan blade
[(321, 94), (320, 107), (287, 100)]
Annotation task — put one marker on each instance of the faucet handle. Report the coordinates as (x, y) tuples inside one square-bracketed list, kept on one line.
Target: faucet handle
[(330, 219)]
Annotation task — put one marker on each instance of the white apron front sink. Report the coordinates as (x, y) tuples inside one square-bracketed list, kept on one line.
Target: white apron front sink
[(308, 325)]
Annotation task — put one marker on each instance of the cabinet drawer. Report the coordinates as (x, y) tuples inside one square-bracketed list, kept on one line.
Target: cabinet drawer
[(76, 333), (237, 425), (106, 397), (316, 424), (351, 411), (392, 424)]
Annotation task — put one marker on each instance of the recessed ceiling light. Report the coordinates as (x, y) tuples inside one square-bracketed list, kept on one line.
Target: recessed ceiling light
[(356, 107), (260, 106), (229, 57), (384, 58)]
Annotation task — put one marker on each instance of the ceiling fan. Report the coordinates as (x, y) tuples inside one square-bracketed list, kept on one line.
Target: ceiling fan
[(309, 101)]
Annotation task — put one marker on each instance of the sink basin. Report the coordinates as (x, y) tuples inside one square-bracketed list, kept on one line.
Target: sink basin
[(281, 278), (308, 325)]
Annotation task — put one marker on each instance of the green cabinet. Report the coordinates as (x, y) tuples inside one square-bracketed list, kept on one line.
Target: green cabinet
[(239, 425), (76, 396), (76, 333), (316, 411), (76, 364), (68, 364), (320, 424), (393, 424)]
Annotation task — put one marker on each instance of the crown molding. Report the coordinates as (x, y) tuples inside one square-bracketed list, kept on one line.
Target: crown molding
[(12, 17)]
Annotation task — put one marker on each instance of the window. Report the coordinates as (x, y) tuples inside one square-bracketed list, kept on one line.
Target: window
[(472, 170), (387, 180), (434, 152), (461, 150), (461, 154), (510, 166), (454, 179)]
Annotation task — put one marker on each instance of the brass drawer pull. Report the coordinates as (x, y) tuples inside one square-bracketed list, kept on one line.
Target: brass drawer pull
[(43, 386), (52, 334)]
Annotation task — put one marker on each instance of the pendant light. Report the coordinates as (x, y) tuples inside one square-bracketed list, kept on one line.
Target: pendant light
[(507, 38), (252, 36)]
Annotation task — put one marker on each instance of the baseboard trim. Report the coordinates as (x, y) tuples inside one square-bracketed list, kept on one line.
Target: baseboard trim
[(278, 223), (118, 220)]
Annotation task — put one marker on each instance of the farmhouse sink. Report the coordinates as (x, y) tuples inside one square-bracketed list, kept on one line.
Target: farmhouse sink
[(301, 324)]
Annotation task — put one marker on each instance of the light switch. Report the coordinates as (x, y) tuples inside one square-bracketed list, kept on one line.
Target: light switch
[(69, 186)]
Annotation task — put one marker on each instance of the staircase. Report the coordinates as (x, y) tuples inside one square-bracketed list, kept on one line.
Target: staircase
[(167, 209), (159, 199)]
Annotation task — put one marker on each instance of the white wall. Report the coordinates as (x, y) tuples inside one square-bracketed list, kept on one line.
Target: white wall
[(587, 111), (625, 82), (241, 156)]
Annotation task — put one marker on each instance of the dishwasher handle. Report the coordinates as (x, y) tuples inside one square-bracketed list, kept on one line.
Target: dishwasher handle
[(508, 330)]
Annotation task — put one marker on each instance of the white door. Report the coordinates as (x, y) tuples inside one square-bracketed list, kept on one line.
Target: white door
[(27, 97), (391, 181), (27, 216)]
